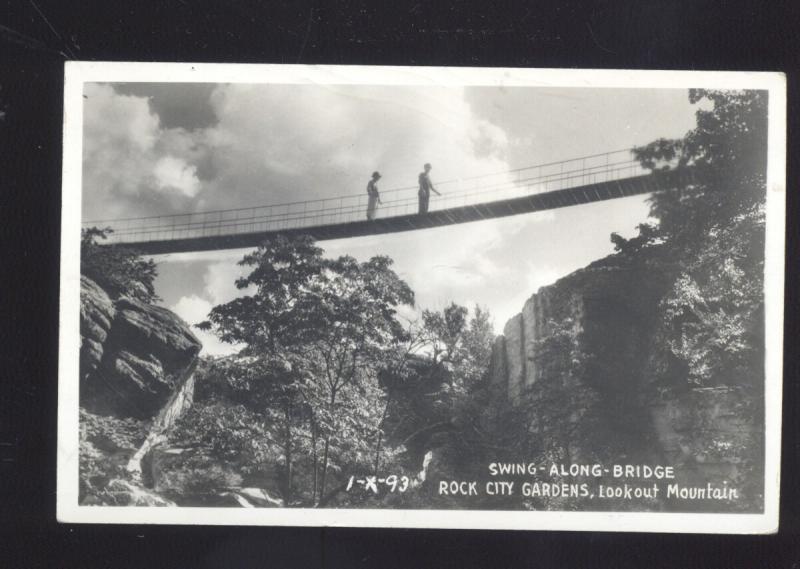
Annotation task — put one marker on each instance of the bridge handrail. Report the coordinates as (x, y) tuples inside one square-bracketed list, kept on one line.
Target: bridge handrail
[(349, 209), (383, 192)]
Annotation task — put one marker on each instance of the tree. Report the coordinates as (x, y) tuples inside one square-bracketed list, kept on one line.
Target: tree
[(453, 335), (648, 235), (728, 152), (714, 313), (713, 229), (444, 331), (316, 330), (461, 342), (119, 270)]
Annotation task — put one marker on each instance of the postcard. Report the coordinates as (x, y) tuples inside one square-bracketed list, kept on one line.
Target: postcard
[(421, 297)]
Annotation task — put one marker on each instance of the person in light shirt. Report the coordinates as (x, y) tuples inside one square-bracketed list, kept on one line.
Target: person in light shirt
[(374, 198)]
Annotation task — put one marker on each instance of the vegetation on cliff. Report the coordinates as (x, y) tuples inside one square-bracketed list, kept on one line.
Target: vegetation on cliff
[(657, 352), (714, 229), (119, 270)]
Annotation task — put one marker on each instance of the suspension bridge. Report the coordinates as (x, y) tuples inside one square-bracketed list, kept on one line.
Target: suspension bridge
[(576, 181)]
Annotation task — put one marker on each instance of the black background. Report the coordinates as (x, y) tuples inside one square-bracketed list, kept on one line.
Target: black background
[(37, 36)]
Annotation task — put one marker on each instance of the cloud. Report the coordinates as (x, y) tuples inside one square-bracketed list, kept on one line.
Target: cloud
[(272, 144), (194, 310), (220, 281), (283, 143), (218, 288), (119, 135), (131, 165), (176, 173)]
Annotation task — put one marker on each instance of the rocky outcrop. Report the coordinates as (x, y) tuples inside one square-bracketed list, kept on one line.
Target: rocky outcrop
[(178, 404), (137, 364), (609, 308), (516, 362), (126, 493), (134, 356), (712, 435), (583, 367), (190, 477), (97, 314)]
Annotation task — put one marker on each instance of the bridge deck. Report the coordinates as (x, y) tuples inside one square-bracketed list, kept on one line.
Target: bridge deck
[(581, 194)]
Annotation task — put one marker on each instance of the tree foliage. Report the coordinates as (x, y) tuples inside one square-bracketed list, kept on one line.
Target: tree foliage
[(461, 343), (728, 152), (714, 230), (714, 314), (315, 332), (119, 270)]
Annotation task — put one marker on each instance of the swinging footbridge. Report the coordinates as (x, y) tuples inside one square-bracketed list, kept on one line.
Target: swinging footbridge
[(576, 181)]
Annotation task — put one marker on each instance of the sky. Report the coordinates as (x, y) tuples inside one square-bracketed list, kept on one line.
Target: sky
[(152, 149)]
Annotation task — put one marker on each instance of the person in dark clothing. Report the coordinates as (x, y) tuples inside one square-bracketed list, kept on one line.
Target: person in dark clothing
[(373, 197), (425, 189)]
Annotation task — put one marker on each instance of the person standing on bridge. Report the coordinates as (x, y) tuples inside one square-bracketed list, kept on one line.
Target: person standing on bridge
[(373, 197), (425, 189)]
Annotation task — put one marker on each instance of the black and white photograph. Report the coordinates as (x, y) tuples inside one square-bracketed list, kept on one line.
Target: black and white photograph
[(421, 297)]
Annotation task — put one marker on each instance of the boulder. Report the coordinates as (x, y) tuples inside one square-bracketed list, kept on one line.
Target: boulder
[(154, 330), (134, 356), (187, 475), (260, 498)]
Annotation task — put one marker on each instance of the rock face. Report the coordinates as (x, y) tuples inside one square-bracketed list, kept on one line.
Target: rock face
[(97, 314), (608, 307), (134, 356), (190, 477), (583, 363), (178, 404), (137, 364), (126, 493)]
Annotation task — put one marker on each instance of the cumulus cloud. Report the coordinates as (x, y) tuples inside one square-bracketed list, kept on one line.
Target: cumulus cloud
[(279, 143), (194, 309), (220, 281), (219, 287), (282, 143), (175, 173), (119, 136), (131, 165)]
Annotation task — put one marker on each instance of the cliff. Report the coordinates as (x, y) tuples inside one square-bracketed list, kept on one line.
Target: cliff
[(610, 308), (582, 372)]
